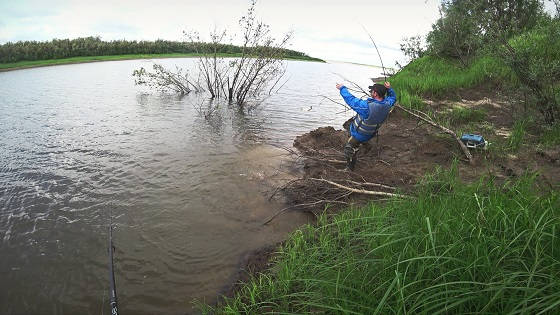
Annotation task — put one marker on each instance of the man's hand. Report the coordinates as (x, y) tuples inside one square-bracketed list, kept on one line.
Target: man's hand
[(387, 85), (339, 86)]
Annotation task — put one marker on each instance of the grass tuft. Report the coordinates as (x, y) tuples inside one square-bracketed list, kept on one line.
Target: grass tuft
[(462, 115), (517, 135), (551, 135)]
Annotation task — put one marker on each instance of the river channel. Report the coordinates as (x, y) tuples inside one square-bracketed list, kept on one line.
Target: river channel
[(187, 195)]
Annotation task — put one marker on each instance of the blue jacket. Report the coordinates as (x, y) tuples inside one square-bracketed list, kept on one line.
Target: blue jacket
[(364, 108)]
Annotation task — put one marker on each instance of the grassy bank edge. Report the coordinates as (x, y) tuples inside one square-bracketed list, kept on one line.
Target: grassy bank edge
[(86, 59), (460, 248)]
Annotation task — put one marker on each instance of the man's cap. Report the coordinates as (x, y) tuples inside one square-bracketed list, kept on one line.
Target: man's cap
[(376, 84), (380, 86)]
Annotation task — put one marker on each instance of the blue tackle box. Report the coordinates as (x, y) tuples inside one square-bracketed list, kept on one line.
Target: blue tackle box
[(473, 141)]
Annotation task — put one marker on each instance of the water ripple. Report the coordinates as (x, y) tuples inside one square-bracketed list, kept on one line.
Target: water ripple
[(81, 143)]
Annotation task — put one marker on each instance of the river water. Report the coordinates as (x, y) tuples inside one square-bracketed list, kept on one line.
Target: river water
[(81, 143)]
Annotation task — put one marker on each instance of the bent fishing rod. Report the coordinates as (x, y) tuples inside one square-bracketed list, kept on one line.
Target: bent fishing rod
[(375, 45), (112, 286)]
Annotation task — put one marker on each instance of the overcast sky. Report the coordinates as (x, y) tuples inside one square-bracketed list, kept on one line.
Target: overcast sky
[(326, 29)]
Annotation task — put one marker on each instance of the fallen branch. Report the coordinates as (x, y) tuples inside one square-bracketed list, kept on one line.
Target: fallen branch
[(338, 103), (386, 163), (330, 161), (300, 205), (360, 191), (371, 184), (282, 188), (446, 130)]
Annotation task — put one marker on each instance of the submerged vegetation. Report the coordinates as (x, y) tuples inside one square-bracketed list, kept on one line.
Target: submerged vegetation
[(258, 70), (455, 248)]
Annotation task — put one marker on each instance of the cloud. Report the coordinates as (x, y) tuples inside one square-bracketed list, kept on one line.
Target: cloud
[(116, 30), (22, 9), (324, 29)]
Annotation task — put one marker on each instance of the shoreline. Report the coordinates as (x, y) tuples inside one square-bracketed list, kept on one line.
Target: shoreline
[(89, 59)]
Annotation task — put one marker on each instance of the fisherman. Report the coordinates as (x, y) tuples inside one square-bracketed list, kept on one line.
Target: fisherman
[(371, 113)]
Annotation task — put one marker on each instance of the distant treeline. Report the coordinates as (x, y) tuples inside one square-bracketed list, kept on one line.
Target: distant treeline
[(94, 46)]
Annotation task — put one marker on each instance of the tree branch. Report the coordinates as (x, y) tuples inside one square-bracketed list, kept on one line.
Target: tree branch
[(360, 191), (446, 130)]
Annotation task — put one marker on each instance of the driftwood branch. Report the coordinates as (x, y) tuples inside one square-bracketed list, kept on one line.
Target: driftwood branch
[(371, 185), (301, 205), (446, 130), (359, 191), (280, 188)]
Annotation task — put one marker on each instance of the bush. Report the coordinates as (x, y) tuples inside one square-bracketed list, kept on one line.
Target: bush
[(535, 58), (456, 34), (466, 26)]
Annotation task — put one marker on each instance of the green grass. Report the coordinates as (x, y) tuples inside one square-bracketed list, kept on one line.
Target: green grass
[(433, 76), (52, 62), (455, 248), (517, 135), (551, 135), (462, 115)]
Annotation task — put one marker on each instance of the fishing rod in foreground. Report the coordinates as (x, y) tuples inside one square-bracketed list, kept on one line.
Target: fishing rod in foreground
[(112, 286)]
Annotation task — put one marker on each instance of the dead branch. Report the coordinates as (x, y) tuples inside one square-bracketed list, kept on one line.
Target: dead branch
[(339, 103), (330, 161), (282, 188), (360, 191), (372, 185), (281, 211), (384, 162), (446, 130)]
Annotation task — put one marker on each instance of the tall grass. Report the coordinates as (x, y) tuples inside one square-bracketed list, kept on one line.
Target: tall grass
[(435, 76), (517, 135), (455, 248), (463, 115)]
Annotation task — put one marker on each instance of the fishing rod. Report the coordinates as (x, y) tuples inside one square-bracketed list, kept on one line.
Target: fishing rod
[(371, 38), (112, 286)]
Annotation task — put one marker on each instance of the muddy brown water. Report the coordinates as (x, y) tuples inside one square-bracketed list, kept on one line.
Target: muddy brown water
[(80, 143)]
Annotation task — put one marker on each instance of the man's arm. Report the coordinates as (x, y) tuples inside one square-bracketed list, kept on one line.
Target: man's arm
[(391, 97), (358, 105)]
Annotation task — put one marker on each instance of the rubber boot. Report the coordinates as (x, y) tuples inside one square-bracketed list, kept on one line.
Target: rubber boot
[(350, 153)]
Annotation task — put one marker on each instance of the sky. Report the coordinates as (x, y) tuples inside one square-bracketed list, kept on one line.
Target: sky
[(327, 29)]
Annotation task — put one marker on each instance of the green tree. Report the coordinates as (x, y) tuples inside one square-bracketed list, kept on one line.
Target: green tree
[(465, 26)]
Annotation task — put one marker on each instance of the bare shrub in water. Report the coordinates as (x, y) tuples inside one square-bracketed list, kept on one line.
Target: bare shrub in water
[(165, 80), (258, 69)]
